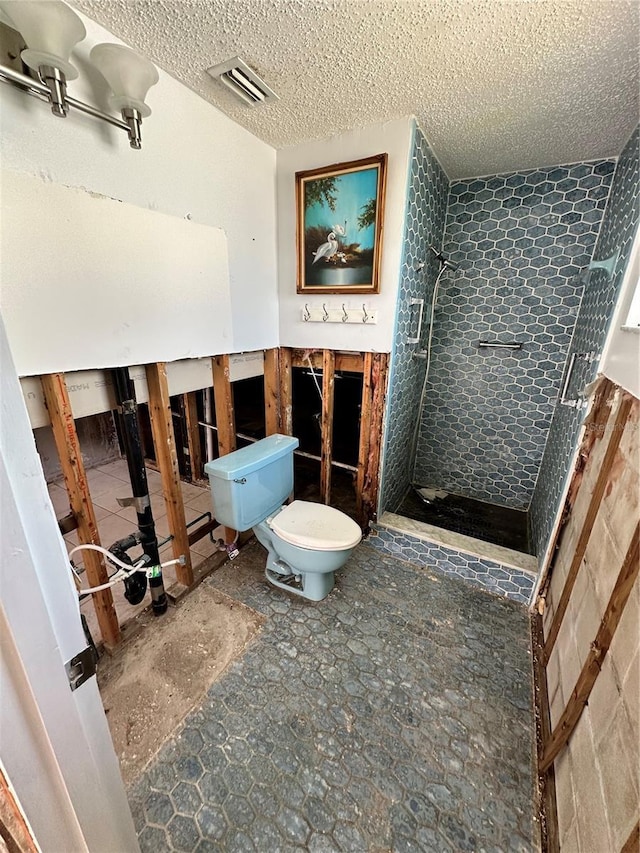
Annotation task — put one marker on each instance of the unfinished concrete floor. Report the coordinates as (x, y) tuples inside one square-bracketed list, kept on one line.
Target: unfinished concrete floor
[(166, 669), (396, 715)]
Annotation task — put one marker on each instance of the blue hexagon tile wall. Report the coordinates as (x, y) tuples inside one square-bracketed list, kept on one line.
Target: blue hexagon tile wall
[(481, 572), (424, 224), (619, 227), (521, 241)]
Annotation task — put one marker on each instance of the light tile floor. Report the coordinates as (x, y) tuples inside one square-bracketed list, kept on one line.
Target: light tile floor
[(109, 482)]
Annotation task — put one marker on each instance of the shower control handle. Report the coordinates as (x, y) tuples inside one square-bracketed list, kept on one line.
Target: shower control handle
[(577, 401), (419, 302), (567, 380)]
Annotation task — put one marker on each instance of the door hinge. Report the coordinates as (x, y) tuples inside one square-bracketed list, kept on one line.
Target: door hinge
[(81, 667)]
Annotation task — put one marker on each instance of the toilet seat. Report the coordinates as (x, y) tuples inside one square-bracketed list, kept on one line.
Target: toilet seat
[(315, 526)]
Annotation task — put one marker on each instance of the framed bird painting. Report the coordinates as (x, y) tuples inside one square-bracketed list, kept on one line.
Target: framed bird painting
[(339, 226)]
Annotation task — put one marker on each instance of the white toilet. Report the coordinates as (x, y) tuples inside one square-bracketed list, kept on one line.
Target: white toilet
[(306, 542)]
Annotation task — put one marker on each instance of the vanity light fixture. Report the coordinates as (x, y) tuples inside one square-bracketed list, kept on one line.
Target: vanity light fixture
[(51, 30)]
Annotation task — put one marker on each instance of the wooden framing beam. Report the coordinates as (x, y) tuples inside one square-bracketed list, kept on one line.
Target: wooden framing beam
[(166, 456), (546, 781), (14, 830), (326, 452), (66, 439), (225, 415), (621, 417), (365, 437), (379, 363), (593, 427), (351, 362), (286, 391), (225, 412), (580, 695), (271, 391), (194, 443)]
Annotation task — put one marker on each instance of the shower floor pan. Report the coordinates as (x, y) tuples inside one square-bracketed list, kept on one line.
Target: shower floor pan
[(488, 522)]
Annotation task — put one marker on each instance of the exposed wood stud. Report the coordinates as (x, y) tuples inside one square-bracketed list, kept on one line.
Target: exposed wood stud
[(271, 392), (286, 392), (372, 466), (225, 415), (595, 421), (365, 436), (621, 416), (66, 439), (593, 664), (15, 834), (546, 781), (328, 383), (166, 456), (632, 844), (351, 362), (193, 435)]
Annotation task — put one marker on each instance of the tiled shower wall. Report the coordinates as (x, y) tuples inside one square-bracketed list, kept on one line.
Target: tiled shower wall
[(521, 241), (619, 227), (424, 226)]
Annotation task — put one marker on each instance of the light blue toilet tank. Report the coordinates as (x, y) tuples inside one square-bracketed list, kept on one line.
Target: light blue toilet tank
[(250, 484)]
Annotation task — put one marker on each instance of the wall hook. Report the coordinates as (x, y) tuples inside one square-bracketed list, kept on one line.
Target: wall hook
[(345, 316), (307, 314), (325, 316), (365, 316)]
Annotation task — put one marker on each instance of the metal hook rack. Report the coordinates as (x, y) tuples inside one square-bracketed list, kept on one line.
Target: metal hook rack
[(343, 314)]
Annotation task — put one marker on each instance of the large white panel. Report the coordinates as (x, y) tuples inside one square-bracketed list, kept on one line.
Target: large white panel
[(91, 282)]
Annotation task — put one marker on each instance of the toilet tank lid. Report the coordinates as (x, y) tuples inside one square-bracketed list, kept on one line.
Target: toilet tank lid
[(241, 462), (316, 526)]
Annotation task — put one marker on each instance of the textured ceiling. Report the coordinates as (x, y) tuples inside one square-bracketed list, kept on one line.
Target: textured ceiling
[(496, 85)]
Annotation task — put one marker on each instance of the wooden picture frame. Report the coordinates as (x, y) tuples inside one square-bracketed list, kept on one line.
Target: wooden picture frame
[(339, 223)]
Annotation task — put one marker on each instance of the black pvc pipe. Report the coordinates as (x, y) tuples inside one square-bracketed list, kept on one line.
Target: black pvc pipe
[(128, 414)]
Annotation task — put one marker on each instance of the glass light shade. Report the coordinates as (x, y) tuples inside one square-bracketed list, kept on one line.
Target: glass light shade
[(50, 29), (129, 75)]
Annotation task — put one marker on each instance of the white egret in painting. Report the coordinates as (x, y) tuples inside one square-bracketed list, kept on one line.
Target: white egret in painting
[(326, 250)]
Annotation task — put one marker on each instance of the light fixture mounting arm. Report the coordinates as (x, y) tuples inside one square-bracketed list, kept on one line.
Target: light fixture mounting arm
[(42, 90), (56, 83)]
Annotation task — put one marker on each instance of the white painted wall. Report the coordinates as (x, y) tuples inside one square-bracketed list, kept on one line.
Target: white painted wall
[(394, 138), (195, 162), (621, 355)]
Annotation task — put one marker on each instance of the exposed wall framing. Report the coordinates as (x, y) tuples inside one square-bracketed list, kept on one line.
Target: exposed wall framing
[(587, 640), (225, 415), (164, 441), (278, 367), (374, 370), (75, 479), (194, 442)]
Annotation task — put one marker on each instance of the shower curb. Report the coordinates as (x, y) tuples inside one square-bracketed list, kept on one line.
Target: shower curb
[(490, 575)]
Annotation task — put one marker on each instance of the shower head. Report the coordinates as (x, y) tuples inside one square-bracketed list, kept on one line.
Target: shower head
[(444, 262)]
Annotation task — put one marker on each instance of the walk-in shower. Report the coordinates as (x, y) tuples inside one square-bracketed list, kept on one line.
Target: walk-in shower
[(429, 503), (478, 436)]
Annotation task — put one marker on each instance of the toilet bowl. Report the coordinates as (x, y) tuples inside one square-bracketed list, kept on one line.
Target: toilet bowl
[(306, 542)]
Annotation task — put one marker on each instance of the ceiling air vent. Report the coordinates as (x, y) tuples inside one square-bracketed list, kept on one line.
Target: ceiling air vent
[(246, 84)]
